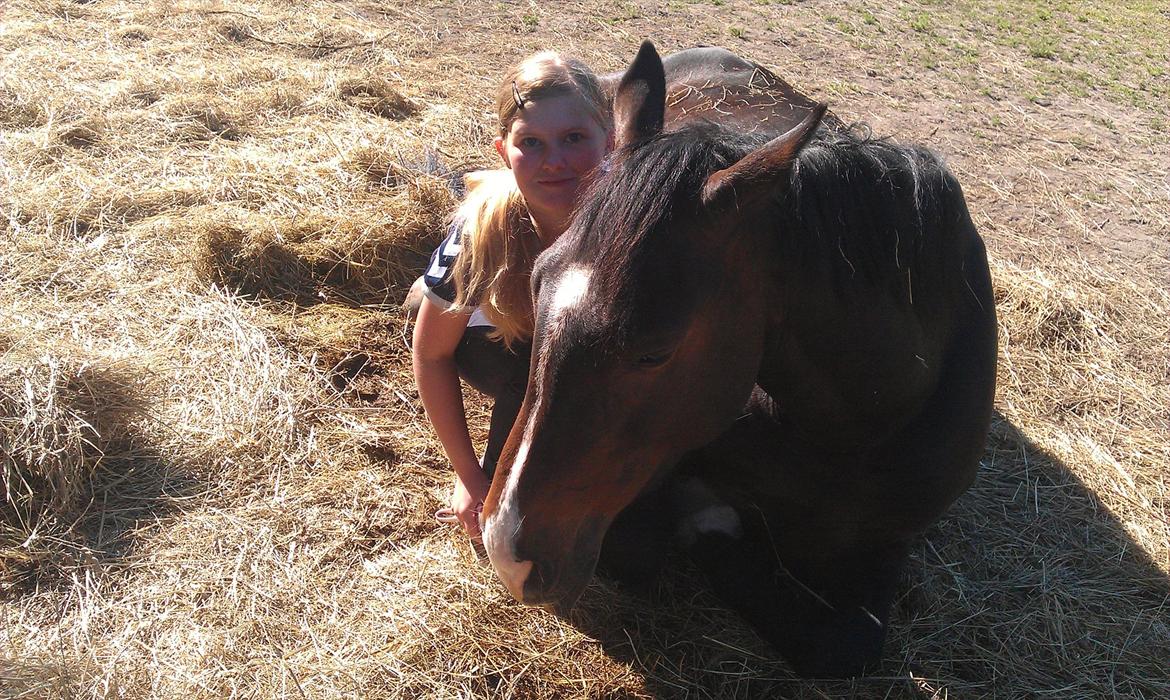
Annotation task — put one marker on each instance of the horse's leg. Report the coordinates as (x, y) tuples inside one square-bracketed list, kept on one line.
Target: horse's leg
[(636, 546), (804, 564), (826, 613), (837, 606)]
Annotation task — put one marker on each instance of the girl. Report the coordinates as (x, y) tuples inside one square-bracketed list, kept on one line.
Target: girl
[(474, 317)]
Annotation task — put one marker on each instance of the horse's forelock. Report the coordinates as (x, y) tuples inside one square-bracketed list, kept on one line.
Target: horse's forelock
[(646, 186)]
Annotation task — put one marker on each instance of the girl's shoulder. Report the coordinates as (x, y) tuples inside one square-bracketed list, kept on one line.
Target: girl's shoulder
[(440, 287)]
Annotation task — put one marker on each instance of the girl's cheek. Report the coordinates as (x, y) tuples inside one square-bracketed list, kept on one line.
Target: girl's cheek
[(586, 158)]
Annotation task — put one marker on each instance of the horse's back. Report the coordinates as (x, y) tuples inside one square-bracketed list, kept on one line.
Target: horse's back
[(714, 84)]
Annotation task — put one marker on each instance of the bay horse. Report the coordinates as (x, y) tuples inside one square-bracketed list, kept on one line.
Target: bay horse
[(775, 347)]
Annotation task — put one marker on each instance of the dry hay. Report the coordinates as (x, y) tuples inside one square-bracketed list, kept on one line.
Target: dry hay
[(17, 111), (207, 215), (315, 257), (376, 95), (58, 421), (1054, 565)]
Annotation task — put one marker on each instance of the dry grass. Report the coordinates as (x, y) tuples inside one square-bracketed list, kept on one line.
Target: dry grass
[(58, 421), (316, 257), (218, 480)]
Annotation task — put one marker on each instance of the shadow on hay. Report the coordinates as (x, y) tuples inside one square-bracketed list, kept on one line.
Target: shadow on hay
[(61, 527), (1029, 586)]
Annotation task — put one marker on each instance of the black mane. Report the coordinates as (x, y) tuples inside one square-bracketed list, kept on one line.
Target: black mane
[(864, 210), (855, 208), (641, 190)]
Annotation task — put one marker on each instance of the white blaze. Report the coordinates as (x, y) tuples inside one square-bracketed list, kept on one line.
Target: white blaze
[(498, 535), (571, 288)]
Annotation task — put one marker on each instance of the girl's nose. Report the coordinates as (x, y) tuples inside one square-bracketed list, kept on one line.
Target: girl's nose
[(554, 159)]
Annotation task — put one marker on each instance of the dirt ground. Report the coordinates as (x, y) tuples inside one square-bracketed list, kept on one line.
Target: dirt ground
[(1042, 163)]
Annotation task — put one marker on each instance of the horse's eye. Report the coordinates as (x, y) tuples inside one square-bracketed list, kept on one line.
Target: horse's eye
[(650, 361)]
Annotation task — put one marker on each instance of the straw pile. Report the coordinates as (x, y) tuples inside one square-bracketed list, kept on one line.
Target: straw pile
[(58, 421), (314, 257), (218, 480)]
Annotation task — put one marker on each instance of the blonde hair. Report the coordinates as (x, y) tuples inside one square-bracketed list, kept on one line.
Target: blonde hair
[(499, 247), (500, 242), (548, 74)]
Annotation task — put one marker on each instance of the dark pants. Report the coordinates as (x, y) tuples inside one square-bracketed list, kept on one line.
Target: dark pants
[(492, 369), (501, 374)]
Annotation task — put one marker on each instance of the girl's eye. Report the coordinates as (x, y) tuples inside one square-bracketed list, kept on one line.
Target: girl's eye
[(575, 137), (529, 142)]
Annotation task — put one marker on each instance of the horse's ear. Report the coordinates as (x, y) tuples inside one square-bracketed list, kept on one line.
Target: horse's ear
[(640, 103), (757, 174)]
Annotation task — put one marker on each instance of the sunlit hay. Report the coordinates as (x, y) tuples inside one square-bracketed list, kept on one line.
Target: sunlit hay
[(145, 92), (81, 200), (135, 33), (17, 110), (357, 348), (164, 109), (110, 207), (1084, 366), (202, 118), (83, 134), (1076, 339), (441, 604), (253, 261), (238, 404), (360, 258), (380, 164), (48, 443), (59, 422), (237, 30), (366, 261), (325, 40), (377, 96), (65, 9), (285, 97)]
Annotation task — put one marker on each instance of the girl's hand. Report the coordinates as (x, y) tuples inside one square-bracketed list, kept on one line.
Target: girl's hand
[(467, 502)]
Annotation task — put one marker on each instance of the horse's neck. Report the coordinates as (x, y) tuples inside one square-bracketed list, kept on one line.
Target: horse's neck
[(829, 358)]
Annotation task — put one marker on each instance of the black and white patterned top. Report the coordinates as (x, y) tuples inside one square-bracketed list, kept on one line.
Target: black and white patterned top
[(440, 286)]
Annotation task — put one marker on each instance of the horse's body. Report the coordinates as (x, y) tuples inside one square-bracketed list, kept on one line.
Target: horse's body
[(780, 352), (715, 84)]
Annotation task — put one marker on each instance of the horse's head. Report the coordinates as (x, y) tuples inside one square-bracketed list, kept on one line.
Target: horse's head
[(648, 336)]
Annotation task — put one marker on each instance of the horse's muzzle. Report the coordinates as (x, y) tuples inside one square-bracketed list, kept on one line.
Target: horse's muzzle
[(555, 589), (546, 566)]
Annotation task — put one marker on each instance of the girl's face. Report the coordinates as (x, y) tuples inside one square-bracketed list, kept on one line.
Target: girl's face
[(552, 145)]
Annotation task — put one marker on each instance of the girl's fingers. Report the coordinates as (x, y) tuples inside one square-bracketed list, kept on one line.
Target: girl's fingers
[(471, 524)]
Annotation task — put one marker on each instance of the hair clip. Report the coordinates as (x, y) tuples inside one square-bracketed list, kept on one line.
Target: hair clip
[(516, 96)]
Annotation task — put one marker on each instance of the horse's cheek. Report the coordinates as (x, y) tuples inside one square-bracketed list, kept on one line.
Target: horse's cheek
[(720, 379)]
